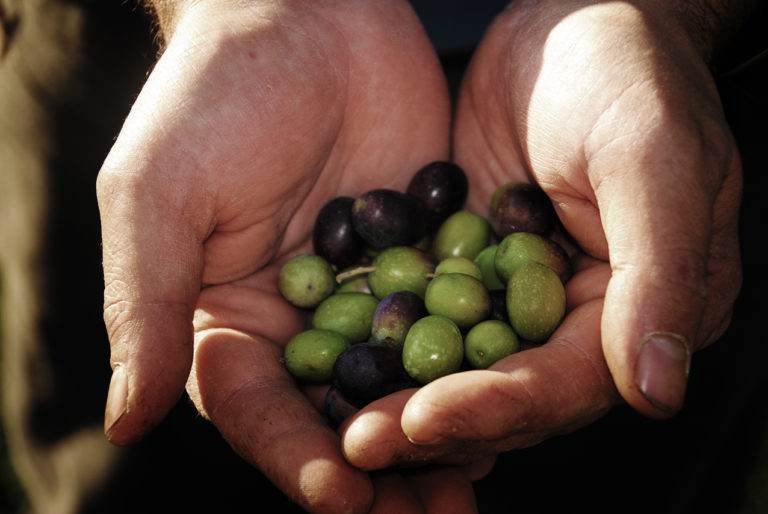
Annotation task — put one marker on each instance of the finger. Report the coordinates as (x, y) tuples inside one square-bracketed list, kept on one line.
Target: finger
[(373, 439), (523, 399), (477, 470), (244, 389), (660, 255), (438, 490), (392, 494), (152, 265), (240, 384), (443, 490)]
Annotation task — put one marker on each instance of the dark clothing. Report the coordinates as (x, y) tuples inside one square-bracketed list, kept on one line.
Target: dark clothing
[(68, 73)]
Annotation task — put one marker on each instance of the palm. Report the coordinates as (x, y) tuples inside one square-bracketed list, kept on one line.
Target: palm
[(358, 122)]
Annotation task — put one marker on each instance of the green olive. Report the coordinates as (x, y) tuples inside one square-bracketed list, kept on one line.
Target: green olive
[(461, 298), (521, 247), (488, 342), (349, 314), (535, 301), (485, 262), (458, 265), (400, 268), (306, 280), (463, 234), (310, 354), (433, 348)]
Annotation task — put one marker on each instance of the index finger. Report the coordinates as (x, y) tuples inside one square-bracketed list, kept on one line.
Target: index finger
[(241, 385)]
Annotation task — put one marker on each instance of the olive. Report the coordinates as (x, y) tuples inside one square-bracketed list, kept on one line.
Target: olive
[(459, 297), (485, 261), (334, 237), (535, 301), (488, 342), (366, 372), (459, 265), (400, 268), (463, 234), (385, 218), (349, 314), (306, 280), (441, 189), (394, 315), (336, 407), (311, 354), (433, 348), (519, 248), (521, 207)]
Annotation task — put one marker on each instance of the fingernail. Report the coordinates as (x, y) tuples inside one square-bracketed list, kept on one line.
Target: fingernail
[(117, 399), (434, 436), (661, 370), (427, 442)]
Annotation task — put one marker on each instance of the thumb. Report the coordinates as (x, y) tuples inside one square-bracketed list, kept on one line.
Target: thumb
[(657, 213), (152, 262)]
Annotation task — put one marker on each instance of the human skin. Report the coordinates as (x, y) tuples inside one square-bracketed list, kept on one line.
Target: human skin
[(217, 175), (255, 115), (611, 108)]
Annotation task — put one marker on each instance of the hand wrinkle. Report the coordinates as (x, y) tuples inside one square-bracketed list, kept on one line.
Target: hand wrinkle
[(597, 365)]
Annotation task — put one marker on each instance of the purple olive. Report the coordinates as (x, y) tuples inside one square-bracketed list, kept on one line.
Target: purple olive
[(521, 207), (441, 189), (394, 315), (334, 237), (386, 218), (368, 371)]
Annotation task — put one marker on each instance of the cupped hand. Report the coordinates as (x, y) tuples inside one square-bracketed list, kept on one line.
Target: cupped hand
[(610, 107), (255, 115)]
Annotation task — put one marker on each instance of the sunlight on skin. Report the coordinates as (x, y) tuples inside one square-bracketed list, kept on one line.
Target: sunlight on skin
[(626, 157)]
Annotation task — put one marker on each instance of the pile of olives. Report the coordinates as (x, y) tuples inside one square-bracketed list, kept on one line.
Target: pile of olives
[(406, 287)]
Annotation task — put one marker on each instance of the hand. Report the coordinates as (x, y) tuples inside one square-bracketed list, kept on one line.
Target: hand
[(256, 115), (611, 109)]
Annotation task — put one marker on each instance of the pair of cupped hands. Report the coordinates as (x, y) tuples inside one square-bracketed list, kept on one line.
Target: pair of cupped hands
[(257, 113)]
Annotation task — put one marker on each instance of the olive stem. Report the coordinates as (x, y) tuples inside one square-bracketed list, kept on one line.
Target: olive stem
[(360, 270)]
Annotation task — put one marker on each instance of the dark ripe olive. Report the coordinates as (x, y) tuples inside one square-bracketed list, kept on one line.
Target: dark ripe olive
[(334, 236), (337, 408), (369, 371), (441, 189), (394, 315), (521, 207), (385, 218)]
